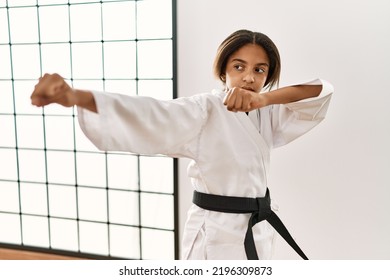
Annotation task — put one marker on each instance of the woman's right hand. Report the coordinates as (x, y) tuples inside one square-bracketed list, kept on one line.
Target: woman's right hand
[(52, 88)]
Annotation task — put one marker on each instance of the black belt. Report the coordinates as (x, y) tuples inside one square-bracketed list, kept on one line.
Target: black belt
[(260, 208)]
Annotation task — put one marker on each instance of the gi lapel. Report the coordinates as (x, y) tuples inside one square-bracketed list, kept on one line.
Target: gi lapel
[(254, 133)]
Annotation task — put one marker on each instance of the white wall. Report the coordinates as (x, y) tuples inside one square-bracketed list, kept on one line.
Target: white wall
[(333, 184)]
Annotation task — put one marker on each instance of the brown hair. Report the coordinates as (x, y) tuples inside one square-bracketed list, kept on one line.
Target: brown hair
[(241, 38)]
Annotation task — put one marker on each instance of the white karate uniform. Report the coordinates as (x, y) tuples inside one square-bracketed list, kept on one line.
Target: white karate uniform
[(230, 154)]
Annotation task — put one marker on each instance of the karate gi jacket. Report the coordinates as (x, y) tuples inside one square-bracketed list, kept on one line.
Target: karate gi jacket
[(230, 153)]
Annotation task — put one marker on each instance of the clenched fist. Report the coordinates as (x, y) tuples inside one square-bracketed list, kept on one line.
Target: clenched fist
[(52, 88), (244, 100)]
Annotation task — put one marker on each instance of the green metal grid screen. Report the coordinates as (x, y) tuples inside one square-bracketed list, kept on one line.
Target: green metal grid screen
[(57, 191)]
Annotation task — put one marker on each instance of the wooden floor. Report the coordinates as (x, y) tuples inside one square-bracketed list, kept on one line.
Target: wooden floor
[(11, 254)]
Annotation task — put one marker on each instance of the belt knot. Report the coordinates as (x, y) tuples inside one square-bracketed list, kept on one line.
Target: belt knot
[(263, 205)]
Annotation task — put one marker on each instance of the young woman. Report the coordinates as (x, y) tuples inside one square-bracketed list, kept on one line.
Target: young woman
[(227, 133)]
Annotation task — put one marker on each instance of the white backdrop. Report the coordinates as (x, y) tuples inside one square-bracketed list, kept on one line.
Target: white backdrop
[(333, 184)]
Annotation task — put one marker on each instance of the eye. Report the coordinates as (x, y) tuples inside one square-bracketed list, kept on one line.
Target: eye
[(238, 67), (259, 70)]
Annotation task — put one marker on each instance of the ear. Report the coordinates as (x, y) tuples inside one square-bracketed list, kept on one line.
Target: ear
[(223, 78)]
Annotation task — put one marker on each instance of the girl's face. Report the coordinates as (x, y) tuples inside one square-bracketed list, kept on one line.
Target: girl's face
[(247, 68)]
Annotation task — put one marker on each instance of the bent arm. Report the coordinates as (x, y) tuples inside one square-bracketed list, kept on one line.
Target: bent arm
[(240, 99), (291, 120), (291, 94)]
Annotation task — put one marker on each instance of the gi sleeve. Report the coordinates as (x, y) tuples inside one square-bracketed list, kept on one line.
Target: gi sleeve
[(144, 125), (289, 121)]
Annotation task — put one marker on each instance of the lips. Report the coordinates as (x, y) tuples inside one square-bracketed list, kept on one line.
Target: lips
[(248, 88)]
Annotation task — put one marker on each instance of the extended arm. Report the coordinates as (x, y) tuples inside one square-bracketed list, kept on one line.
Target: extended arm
[(115, 122)]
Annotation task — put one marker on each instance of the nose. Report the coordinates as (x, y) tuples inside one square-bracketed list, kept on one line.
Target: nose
[(249, 77)]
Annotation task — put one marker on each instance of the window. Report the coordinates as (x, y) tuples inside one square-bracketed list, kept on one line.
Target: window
[(57, 191)]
